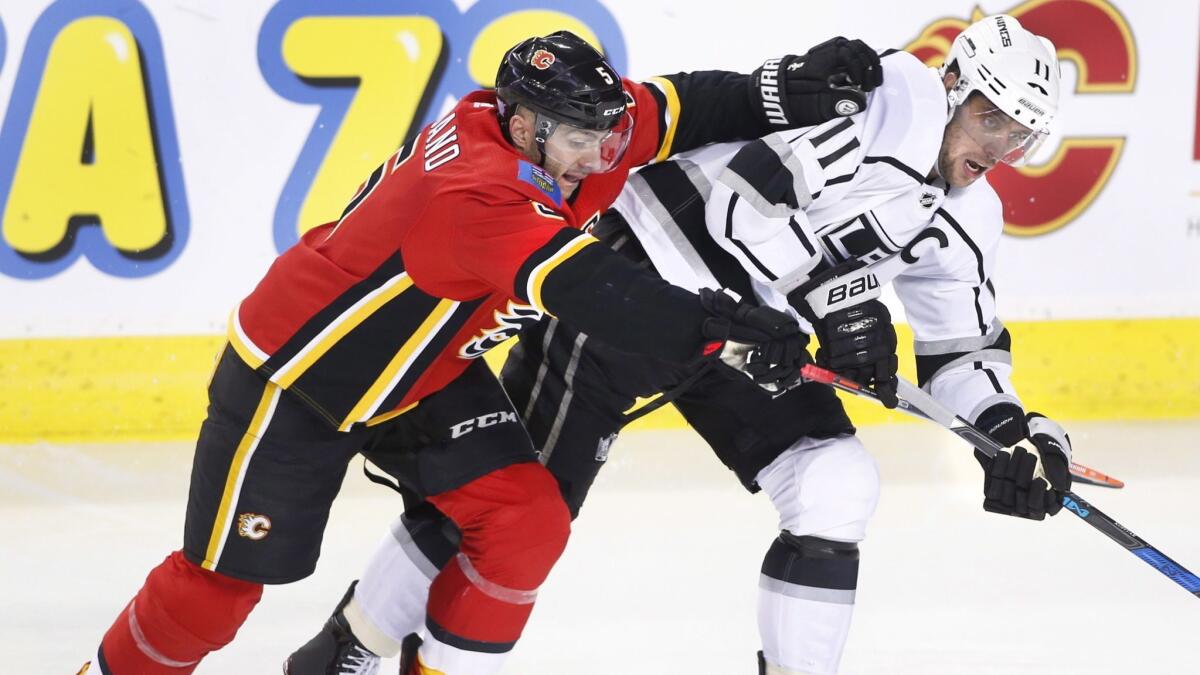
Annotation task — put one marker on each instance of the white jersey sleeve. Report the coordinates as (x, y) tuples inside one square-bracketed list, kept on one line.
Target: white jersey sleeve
[(774, 193), (962, 349)]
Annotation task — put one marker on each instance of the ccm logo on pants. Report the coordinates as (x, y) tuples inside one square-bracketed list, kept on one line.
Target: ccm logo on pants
[(467, 426)]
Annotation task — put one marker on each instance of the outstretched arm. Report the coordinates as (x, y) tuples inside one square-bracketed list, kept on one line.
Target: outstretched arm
[(522, 249), (964, 360), (713, 106)]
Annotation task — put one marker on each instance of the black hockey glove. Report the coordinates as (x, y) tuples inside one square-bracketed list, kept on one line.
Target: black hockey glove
[(853, 328), (1024, 483), (829, 81), (763, 343)]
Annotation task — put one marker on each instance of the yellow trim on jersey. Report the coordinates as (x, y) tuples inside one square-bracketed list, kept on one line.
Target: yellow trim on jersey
[(537, 276), (668, 89), (399, 364), (339, 327), (237, 472), (545, 211), (380, 419), (246, 349), (423, 669)]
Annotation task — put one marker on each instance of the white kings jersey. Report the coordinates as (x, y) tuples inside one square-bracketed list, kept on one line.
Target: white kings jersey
[(757, 217)]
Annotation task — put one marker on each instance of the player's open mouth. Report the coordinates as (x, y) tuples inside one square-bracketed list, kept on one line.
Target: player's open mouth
[(572, 177), (974, 168)]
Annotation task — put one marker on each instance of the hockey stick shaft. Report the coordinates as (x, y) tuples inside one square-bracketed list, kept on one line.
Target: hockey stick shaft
[(1079, 472), (882, 272), (919, 404)]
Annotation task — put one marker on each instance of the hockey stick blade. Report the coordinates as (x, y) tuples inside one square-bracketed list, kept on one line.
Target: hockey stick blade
[(1090, 476), (1079, 472), (919, 404)]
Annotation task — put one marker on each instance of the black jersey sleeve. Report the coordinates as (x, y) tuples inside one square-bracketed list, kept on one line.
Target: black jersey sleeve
[(702, 107), (713, 106), (601, 293)]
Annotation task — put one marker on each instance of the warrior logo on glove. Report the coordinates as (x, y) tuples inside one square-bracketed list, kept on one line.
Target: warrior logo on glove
[(830, 80)]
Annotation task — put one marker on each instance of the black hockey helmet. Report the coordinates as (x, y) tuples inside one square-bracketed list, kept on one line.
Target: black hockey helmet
[(564, 78)]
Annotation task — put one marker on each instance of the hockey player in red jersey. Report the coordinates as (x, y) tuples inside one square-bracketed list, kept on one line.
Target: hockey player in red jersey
[(364, 338)]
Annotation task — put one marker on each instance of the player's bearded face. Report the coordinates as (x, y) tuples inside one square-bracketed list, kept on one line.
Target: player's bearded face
[(571, 153), (978, 137)]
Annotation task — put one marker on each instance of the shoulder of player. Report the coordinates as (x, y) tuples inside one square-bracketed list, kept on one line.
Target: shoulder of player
[(510, 182), (489, 168), (905, 117), (636, 92), (907, 80)]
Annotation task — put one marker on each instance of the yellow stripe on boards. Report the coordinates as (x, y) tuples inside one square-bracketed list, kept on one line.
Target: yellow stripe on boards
[(1125, 369), (67, 390), (237, 470), (154, 388)]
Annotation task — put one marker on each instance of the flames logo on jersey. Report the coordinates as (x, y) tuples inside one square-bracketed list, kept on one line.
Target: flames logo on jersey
[(1094, 36), (542, 59), (511, 321), (253, 526)]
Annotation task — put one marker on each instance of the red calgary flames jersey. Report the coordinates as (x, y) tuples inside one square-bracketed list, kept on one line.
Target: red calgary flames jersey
[(439, 257)]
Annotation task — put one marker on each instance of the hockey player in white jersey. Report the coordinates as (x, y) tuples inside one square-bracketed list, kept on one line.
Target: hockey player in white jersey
[(811, 221)]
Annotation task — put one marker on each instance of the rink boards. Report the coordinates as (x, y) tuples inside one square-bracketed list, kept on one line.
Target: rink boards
[(153, 388), (156, 156)]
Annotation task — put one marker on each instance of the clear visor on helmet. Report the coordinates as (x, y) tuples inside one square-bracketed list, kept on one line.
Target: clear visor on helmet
[(575, 151), (1002, 138)]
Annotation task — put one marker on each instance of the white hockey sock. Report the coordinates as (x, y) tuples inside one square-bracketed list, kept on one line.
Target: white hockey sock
[(825, 491), (801, 635), (389, 601)]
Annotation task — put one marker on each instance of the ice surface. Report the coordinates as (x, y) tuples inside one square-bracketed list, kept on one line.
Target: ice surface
[(661, 572)]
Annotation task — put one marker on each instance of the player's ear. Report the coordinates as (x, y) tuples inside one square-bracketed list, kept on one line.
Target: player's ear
[(519, 129), (949, 79)]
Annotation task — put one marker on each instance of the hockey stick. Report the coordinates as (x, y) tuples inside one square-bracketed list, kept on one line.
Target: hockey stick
[(919, 404), (882, 272), (1090, 476), (1079, 472)]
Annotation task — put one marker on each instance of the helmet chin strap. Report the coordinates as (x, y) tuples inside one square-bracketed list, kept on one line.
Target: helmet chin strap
[(957, 96)]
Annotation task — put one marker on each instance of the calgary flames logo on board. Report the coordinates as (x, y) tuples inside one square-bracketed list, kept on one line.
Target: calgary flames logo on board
[(1093, 36)]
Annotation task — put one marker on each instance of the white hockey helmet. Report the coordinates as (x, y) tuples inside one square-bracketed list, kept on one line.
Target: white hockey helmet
[(1015, 70)]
